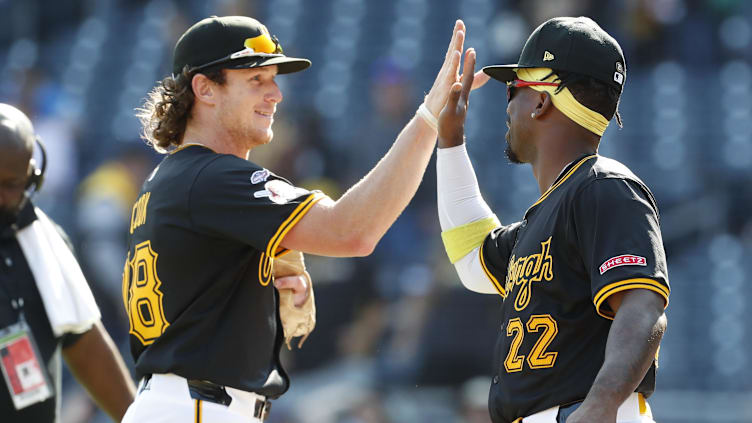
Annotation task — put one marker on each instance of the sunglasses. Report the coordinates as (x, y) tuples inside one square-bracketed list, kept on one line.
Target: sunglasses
[(518, 83), (260, 46)]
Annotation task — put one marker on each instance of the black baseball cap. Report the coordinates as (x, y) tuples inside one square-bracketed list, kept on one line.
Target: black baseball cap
[(575, 45), (231, 42)]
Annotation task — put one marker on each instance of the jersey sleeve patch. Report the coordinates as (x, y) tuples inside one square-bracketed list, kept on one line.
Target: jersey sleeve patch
[(625, 285), (260, 176), (279, 191), (622, 260)]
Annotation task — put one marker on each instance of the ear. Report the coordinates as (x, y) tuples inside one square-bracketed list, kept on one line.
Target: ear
[(204, 89), (544, 104)]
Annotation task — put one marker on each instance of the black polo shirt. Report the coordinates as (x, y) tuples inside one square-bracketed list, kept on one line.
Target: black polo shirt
[(17, 281)]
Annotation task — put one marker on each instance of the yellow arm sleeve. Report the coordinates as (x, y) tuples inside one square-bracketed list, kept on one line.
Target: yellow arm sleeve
[(463, 239)]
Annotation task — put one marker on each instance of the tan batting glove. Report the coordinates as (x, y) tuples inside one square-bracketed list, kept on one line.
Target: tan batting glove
[(296, 321)]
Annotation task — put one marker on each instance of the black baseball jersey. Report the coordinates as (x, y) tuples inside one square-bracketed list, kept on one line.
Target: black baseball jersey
[(595, 232), (197, 279)]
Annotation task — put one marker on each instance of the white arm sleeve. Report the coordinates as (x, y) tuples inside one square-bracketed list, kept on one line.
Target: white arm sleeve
[(460, 202)]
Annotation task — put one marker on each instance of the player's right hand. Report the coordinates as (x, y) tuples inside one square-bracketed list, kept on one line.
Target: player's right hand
[(452, 116)]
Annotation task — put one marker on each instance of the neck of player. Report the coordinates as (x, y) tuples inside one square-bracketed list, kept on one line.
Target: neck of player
[(212, 137), (559, 147)]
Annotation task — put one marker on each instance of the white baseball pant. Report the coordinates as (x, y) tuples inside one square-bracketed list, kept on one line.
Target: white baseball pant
[(634, 410), (165, 398)]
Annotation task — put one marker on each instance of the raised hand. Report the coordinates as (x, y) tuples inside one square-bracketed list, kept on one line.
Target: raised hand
[(449, 73), (452, 116)]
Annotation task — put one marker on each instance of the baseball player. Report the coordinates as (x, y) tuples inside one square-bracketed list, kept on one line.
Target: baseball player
[(582, 276), (210, 226)]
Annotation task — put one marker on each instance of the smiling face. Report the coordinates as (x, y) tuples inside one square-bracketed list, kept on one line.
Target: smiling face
[(247, 103)]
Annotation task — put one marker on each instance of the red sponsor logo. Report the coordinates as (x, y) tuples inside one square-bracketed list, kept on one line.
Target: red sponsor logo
[(623, 260)]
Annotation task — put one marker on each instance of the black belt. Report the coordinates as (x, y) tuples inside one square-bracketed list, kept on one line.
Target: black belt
[(211, 392)]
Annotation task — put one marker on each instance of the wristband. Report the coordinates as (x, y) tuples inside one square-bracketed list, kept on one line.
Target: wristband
[(428, 117)]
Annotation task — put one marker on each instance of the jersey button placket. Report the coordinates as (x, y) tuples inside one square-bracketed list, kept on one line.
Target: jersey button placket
[(8, 262)]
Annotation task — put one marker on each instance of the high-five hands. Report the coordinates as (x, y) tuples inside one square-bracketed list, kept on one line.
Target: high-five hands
[(452, 116), (449, 73)]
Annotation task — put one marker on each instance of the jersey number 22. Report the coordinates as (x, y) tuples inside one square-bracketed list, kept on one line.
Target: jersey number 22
[(538, 358)]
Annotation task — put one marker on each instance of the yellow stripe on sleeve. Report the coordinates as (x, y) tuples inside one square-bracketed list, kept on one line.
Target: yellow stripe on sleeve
[(499, 287), (625, 285), (272, 249), (291, 220)]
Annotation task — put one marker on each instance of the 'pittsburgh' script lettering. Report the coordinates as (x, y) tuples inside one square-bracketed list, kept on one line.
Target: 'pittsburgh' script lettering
[(526, 270)]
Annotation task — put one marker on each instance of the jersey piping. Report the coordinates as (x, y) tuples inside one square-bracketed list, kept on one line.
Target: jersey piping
[(624, 285), (265, 264), (561, 181), (293, 219), (490, 276)]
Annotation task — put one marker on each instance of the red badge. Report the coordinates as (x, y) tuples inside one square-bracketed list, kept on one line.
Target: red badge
[(623, 260)]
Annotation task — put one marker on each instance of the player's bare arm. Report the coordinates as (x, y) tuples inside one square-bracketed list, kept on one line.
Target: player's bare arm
[(353, 225), (633, 340)]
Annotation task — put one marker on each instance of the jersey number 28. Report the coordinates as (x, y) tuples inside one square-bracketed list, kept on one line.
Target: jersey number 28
[(538, 358), (142, 296)]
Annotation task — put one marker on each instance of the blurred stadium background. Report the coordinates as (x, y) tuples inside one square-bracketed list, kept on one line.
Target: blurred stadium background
[(398, 339)]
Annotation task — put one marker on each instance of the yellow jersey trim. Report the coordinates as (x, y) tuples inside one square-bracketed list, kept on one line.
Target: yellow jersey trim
[(625, 285), (197, 417), (265, 264), (499, 287), (561, 181), (463, 239)]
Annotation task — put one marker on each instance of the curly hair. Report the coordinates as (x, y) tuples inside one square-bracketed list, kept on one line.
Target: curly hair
[(592, 93), (167, 108)]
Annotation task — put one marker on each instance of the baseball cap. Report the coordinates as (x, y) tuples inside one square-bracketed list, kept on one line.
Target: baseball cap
[(569, 44), (231, 42)]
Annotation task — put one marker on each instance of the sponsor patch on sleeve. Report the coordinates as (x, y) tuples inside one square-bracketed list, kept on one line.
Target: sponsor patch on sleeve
[(622, 260)]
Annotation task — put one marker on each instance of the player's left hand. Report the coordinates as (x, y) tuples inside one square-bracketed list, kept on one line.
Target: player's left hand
[(298, 284), (595, 414), (452, 116), (450, 72)]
